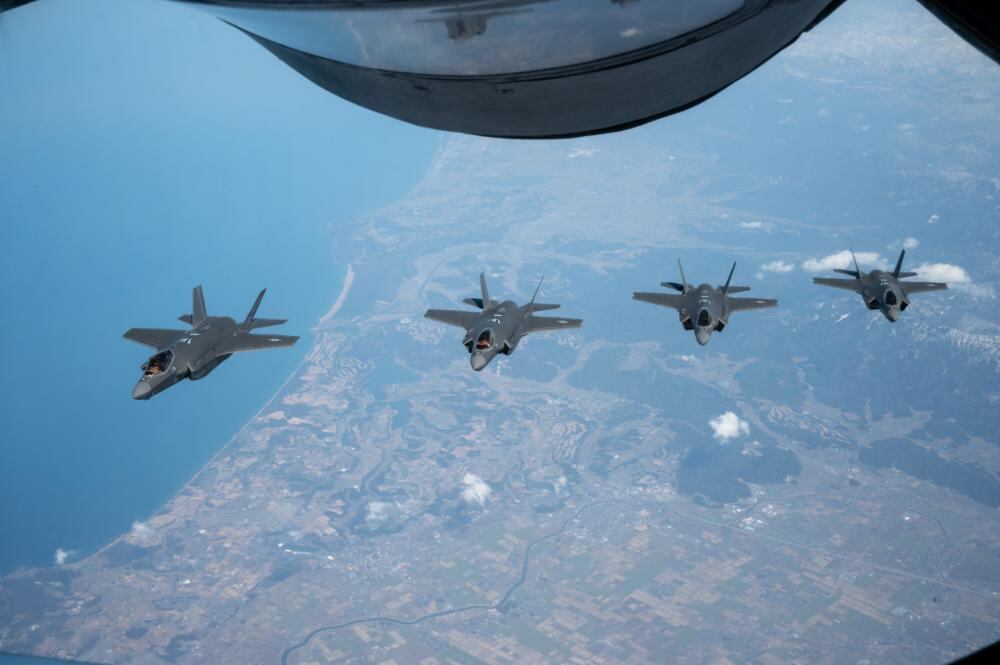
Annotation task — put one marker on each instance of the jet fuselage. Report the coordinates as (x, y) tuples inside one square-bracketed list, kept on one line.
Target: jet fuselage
[(495, 332), (193, 356), (882, 291)]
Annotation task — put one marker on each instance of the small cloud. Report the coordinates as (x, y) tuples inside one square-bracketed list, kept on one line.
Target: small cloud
[(63, 555), (142, 534), (843, 259), (934, 219), (476, 490), (842, 317), (778, 266), (955, 277), (905, 127), (823, 113), (753, 226), (728, 426), (582, 152), (943, 272), (911, 243), (378, 511)]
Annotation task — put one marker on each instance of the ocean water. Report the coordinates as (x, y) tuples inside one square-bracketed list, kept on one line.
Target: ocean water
[(147, 148)]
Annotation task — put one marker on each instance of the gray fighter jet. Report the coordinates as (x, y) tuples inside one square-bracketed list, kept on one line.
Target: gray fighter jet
[(193, 354), (704, 309), (499, 326), (881, 290)]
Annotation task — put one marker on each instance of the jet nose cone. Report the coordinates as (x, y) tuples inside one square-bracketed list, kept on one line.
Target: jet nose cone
[(702, 336), (478, 362), (142, 391), (892, 315)]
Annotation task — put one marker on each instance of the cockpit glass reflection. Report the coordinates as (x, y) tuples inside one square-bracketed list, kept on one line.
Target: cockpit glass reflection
[(158, 363), (479, 37), (485, 340), (704, 318)]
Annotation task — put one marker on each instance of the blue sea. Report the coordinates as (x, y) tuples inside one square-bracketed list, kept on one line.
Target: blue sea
[(147, 148)]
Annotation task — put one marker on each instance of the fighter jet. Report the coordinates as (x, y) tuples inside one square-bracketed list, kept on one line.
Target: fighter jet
[(704, 309), (193, 354), (881, 290), (498, 326)]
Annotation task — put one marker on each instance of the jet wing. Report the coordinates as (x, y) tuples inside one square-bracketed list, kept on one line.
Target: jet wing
[(158, 338), (917, 287), (846, 284), (743, 304), (662, 299), (243, 341), (539, 323), (454, 317)]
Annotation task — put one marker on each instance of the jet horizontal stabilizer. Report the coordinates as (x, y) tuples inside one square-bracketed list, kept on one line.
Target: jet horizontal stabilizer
[(737, 289), (852, 273), (475, 302), (264, 323), (906, 274), (541, 307), (673, 285), (186, 318)]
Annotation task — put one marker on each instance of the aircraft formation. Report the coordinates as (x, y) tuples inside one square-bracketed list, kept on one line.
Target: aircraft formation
[(496, 327)]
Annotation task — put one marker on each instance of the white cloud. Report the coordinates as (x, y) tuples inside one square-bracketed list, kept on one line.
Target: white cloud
[(955, 276), (476, 490), (728, 426), (942, 272), (752, 225), (378, 511), (778, 266), (934, 219), (142, 534), (842, 259), (63, 555), (911, 243)]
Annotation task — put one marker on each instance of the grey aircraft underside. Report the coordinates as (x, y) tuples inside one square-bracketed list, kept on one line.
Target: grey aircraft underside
[(704, 308), (498, 326), (193, 354), (881, 290)]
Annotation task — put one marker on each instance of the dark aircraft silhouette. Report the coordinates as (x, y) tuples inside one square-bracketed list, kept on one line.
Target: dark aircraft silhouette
[(499, 326), (704, 309), (881, 290), (193, 354), (567, 68)]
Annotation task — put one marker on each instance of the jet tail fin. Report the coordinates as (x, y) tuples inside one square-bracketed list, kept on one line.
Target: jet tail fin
[(684, 282), (248, 322), (899, 264), (857, 268), (725, 287), (252, 322), (485, 290), (198, 312), (531, 305)]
